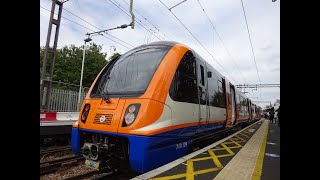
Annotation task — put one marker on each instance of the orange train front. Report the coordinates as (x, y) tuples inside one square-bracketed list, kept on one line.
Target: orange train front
[(146, 106)]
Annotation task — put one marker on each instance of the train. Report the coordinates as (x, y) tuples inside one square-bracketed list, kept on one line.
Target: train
[(145, 108)]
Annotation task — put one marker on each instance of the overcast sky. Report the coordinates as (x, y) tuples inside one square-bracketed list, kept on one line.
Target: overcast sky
[(263, 18)]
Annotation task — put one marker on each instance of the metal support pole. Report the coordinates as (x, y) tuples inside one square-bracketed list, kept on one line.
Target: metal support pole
[(52, 50), (132, 15), (44, 63), (84, 53), (53, 59)]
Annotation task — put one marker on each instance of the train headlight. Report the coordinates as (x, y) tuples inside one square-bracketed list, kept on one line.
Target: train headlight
[(130, 114), (85, 113), (129, 118)]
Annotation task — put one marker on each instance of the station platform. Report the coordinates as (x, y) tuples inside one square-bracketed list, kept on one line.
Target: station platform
[(57, 123), (251, 153), (48, 128)]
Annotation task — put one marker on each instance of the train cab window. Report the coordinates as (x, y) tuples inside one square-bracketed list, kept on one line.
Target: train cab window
[(131, 74), (184, 83)]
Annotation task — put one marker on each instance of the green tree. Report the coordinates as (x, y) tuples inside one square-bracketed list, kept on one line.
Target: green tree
[(68, 64)]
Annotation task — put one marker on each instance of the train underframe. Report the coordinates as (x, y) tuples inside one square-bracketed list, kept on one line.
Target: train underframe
[(109, 152)]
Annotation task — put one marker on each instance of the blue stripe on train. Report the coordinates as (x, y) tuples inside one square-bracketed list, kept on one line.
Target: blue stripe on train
[(75, 141), (149, 152)]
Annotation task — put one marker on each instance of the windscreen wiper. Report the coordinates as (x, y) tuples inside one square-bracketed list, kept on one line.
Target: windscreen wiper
[(104, 95)]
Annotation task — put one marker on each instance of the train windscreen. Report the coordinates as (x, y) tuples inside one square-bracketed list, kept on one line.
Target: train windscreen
[(132, 72)]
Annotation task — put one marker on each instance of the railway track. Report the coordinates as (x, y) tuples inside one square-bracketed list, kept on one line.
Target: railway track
[(50, 166), (55, 150), (93, 175)]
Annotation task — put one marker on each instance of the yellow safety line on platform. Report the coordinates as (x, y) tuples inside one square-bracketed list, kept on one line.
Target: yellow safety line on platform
[(206, 171), (200, 159), (243, 135), (238, 137), (215, 159), (190, 171), (246, 132), (236, 143), (258, 169), (229, 150)]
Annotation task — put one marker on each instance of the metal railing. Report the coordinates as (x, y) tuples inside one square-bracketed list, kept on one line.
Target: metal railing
[(64, 97)]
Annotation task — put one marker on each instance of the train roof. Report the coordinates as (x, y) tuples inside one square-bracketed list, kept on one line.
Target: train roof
[(170, 43), (158, 43)]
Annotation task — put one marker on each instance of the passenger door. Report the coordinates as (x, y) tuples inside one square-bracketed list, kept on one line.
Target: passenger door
[(202, 91)]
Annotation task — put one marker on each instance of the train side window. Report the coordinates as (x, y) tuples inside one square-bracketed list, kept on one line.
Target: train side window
[(213, 91), (241, 105), (202, 75), (184, 83), (245, 103), (237, 99), (222, 98), (245, 106)]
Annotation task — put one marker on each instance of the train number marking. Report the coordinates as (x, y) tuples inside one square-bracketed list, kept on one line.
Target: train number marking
[(181, 145)]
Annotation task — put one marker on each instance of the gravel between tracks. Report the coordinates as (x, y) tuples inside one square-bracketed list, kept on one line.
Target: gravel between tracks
[(67, 173)]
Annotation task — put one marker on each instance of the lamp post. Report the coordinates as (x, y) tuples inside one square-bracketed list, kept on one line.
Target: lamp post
[(84, 53)]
